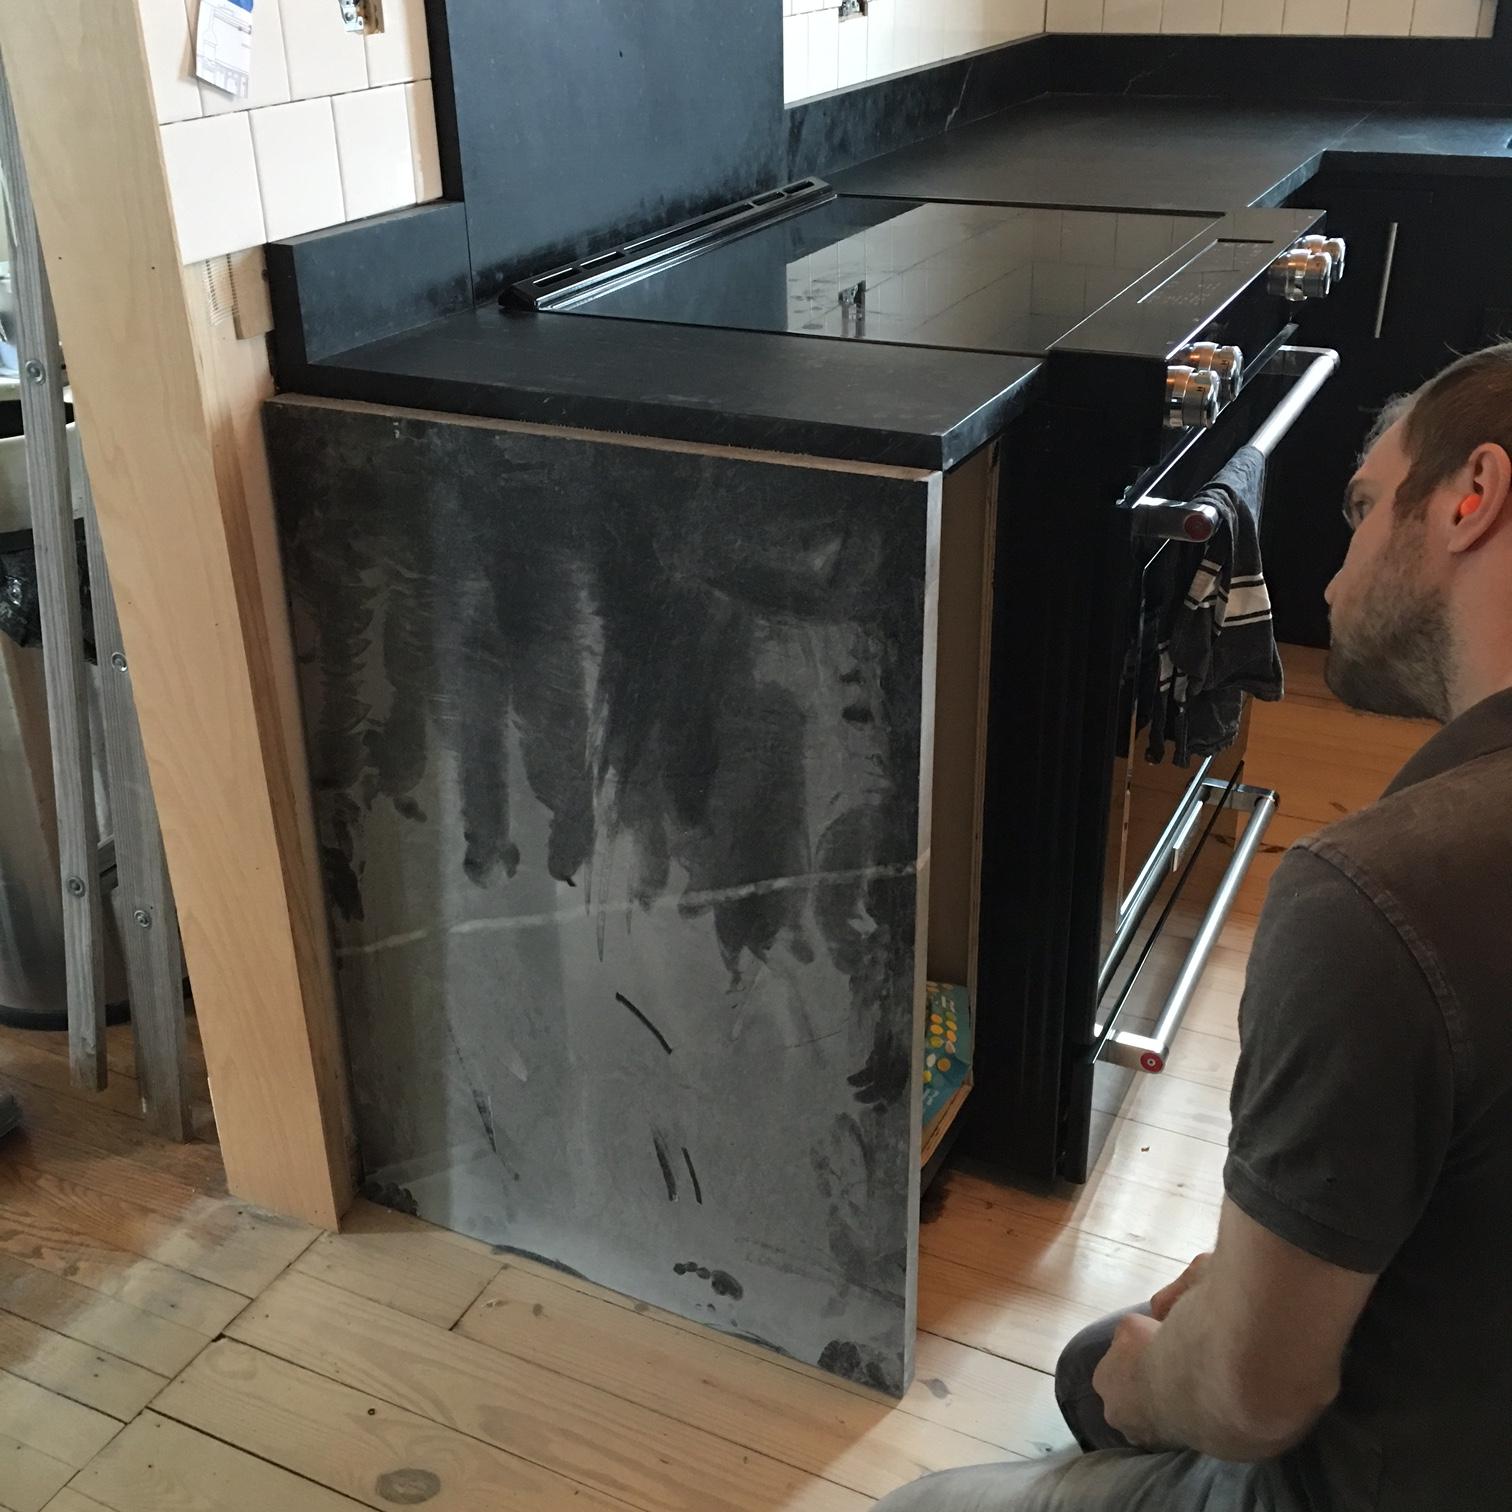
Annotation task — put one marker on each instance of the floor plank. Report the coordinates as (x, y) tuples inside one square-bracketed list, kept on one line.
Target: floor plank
[(77, 1371), (51, 1424), (32, 1231), (955, 1386), (403, 1263), (633, 1453), (358, 1445), (93, 1318), (30, 1478), (863, 1443), (160, 1466), (217, 1240), (69, 1500)]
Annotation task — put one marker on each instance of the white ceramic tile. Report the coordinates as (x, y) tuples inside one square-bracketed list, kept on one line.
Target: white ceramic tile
[(1253, 18), (401, 51), (794, 58), (373, 143), (1025, 18), (425, 156), (823, 52), (212, 177), (1074, 16), (297, 169), (1315, 18), (1445, 18), (1379, 18), (916, 34), (851, 52), (1131, 16), (270, 70), (879, 39), (324, 57), (1191, 17), (170, 59)]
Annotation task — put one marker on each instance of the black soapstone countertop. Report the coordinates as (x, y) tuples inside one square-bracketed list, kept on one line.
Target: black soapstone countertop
[(907, 406)]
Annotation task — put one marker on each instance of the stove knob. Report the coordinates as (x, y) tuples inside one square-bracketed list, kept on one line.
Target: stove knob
[(1226, 361), (1301, 274), (1192, 397), (1333, 245)]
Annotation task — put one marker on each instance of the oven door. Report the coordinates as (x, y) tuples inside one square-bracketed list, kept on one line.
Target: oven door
[(1180, 840)]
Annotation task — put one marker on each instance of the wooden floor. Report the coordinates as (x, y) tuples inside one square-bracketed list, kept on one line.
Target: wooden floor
[(164, 1348)]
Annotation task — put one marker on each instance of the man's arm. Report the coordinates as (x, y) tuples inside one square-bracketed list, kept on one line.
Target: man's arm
[(1249, 1357)]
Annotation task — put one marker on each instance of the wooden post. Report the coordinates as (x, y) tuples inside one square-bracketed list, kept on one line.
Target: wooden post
[(165, 413)]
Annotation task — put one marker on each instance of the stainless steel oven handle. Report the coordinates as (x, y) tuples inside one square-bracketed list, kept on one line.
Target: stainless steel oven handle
[(1150, 1052), (1173, 520)]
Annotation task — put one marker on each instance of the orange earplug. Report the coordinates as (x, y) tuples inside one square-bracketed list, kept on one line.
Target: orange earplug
[(1469, 504)]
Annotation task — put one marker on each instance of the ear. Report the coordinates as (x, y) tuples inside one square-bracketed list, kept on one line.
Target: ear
[(1488, 500)]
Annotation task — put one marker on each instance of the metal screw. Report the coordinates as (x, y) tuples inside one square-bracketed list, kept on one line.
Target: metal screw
[(118, 662), (143, 918), (35, 371), (75, 886)]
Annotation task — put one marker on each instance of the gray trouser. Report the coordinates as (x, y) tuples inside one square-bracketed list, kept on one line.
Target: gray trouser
[(1112, 1477)]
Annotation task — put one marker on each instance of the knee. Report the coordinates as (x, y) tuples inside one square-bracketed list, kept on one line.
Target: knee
[(1080, 1358)]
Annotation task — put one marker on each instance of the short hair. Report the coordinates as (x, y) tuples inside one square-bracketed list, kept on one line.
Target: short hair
[(1465, 406)]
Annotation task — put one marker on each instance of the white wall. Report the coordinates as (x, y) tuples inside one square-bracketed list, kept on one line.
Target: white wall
[(338, 125), (1316, 18), (822, 53)]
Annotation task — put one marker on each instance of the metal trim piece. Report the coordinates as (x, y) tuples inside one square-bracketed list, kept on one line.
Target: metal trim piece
[(1151, 1052), (570, 284), (1388, 264)]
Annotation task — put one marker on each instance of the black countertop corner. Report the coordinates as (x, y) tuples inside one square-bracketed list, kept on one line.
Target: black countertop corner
[(906, 406)]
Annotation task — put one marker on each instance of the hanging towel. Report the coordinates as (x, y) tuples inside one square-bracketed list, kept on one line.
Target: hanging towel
[(1219, 642)]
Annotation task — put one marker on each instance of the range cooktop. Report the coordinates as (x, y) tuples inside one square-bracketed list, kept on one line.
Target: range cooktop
[(993, 278)]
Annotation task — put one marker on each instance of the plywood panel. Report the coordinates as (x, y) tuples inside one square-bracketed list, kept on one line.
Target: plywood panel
[(175, 516), (622, 766)]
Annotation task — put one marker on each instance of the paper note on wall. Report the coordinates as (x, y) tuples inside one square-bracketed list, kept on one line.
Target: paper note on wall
[(223, 45)]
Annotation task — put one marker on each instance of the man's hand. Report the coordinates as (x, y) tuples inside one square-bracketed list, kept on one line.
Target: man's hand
[(1168, 1296), (1121, 1383)]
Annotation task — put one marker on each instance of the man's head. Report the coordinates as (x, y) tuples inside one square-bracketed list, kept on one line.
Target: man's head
[(1422, 608)]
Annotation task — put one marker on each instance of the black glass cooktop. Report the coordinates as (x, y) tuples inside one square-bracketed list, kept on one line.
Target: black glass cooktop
[(995, 278)]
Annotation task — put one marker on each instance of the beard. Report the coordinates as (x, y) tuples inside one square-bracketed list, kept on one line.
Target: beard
[(1392, 655)]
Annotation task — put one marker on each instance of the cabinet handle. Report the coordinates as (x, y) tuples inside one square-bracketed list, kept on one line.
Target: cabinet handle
[(1386, 266)]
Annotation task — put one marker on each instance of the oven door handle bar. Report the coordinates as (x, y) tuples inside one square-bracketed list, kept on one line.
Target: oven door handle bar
[(1173, 520), (1150, 1052)]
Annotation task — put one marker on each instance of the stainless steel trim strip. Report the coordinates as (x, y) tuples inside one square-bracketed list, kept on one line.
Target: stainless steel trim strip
[(1388, 264), (1151, 1052)]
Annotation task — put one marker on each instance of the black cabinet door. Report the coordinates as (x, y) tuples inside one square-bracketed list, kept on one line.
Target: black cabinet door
[(1392, 319)]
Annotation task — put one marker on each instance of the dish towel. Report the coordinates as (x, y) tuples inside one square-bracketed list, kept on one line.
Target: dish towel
[(1220, 643)]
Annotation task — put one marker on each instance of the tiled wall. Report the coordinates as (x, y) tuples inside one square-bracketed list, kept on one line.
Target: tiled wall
[(338, 125), (1315, 18), (821, 52)]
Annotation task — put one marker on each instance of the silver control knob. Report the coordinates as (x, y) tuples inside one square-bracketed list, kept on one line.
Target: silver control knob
[(1192, 397), (1226, 361), (1301, 274), (1333, 245)]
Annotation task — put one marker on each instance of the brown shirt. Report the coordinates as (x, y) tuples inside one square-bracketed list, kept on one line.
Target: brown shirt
[(1373, 1121)]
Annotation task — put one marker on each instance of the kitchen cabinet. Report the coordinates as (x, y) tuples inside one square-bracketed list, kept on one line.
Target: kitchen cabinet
[(1428, 278), (648, 780)]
